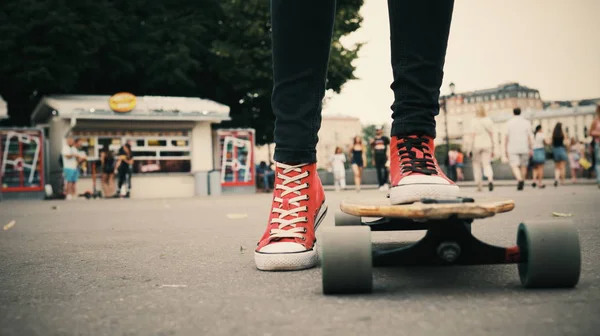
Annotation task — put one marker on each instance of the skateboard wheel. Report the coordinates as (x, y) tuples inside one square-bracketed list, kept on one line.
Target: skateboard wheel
[(346, 260), (550, 254), (344, 219)]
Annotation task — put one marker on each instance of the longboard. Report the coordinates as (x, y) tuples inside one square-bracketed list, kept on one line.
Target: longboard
[(428, 209)]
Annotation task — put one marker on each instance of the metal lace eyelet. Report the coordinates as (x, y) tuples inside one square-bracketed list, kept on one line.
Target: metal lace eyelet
[(307, 197), (303, 238)]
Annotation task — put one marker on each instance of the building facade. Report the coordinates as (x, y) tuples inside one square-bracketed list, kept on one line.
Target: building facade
[(335, 131), (497, 102)]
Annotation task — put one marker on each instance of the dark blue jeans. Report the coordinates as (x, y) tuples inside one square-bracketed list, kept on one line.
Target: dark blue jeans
[(302, 32)]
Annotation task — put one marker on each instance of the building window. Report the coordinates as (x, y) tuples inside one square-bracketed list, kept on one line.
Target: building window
[(493, 97), (154, 152)]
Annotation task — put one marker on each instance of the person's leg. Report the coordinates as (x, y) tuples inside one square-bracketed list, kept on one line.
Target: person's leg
[(540, 175), (516, 172), (486, 162), (597, 161), (301, 40), (476, 162), (301, 32), (75, 179), (382, 172), (343, 180), (265, 177), (122, 175), (379, 170), (563, 171), (104, 181), (523, 172), (129, 174), (111, 185), (519, 168), (356, 172), (386, 176), (69, 190), (514, 166), (419, 38)]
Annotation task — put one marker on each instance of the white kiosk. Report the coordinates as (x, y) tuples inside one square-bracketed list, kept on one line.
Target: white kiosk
[(171, 137)]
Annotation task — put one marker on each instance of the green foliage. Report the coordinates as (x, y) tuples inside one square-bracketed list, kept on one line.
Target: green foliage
[(219, 50), (368, 134), (441, 152)]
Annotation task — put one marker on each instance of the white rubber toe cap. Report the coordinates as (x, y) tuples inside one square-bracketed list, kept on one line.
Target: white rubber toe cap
[(423, 179), (284, 247)]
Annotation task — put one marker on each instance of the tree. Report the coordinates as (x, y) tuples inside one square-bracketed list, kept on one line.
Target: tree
[(152, 47), (368, 134)]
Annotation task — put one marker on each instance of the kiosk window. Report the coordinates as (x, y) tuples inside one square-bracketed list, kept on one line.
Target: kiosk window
[(153, 152)]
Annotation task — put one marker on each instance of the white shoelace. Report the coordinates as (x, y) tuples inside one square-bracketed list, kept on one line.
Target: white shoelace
[(294, 208)]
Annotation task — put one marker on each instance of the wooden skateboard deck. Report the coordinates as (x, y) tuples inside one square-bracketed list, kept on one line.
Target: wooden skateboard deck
[(427, 209)]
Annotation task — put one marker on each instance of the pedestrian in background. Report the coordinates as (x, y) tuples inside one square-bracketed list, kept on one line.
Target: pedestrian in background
[(338, 166), (575, 154), (460, 164), (480, 146), (559, 154), (595, 133), (518, 144), (539, 157), (358, 153), (379, 147)]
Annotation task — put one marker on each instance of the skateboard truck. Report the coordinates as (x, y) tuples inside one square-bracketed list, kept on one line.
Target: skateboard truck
[(449, 251)]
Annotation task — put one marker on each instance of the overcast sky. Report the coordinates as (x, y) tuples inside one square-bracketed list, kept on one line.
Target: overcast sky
[(550, 45)]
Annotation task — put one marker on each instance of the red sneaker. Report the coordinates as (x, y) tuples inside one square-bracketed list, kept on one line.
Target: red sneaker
[(298, 208), (414, 171)]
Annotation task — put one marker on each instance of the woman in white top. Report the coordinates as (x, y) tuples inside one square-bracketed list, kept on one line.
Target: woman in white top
[(338, 166), (539, 156), (480, 143)]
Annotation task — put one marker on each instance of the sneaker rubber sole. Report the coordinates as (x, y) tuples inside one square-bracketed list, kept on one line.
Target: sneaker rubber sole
[(292, 261), (411, 193)]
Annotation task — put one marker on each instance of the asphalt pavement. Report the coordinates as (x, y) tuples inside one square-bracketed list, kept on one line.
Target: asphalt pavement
[(185, 267)]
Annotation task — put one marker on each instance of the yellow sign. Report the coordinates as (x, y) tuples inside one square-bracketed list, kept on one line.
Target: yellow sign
[(122, 102)]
